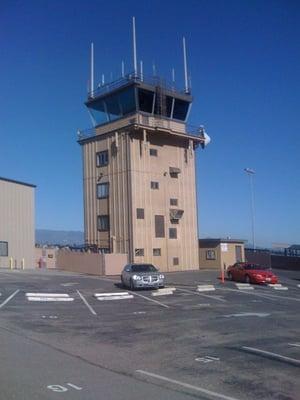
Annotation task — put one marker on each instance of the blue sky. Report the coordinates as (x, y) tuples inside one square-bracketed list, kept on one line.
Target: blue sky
[(244, 59)]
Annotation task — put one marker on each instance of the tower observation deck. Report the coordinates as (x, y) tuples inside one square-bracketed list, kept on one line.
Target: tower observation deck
[(143, 102)]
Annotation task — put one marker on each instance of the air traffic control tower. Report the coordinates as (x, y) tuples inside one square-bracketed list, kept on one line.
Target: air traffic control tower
[(139, 173)]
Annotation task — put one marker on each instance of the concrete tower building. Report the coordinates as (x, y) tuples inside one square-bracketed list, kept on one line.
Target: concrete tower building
[(139, 172)]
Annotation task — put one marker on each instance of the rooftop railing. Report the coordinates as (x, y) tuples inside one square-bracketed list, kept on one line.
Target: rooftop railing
[(134, 78), (146, 120)]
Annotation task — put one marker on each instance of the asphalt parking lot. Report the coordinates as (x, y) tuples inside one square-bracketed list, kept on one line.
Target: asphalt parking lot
[(62, 339)]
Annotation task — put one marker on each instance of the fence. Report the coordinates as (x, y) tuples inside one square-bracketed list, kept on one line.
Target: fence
[(90, 263)]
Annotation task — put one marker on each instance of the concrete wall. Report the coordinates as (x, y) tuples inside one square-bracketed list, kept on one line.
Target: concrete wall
[(45, 257), (258, 257), (91, 263), (17, 224), (283, 262)]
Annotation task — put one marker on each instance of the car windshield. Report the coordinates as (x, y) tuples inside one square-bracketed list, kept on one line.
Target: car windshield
[(256, 266), (143, 268)]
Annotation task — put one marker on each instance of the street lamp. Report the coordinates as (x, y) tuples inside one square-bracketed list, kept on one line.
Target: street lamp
[(250, 172)]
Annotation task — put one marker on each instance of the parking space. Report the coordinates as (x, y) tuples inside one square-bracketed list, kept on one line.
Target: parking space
[(202, 338)]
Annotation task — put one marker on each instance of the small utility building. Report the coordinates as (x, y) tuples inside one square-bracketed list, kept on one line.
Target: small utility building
[(17, 224), (217, 253)]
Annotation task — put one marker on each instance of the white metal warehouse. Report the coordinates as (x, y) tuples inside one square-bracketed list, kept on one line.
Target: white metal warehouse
[(17, 224)]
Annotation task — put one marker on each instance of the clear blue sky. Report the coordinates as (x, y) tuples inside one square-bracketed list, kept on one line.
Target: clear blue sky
[(244, 59)]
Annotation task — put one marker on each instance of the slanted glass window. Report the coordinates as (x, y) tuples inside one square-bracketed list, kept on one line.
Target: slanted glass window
[(102, 190), (98, 111), (180, 109), (173, 233), (140, 214), (127, 101), (157, 252), (169, 101), (102, 158), (155, 185), (3, 249), (146, 100), (139, 252), (103, 223), (113, 107)]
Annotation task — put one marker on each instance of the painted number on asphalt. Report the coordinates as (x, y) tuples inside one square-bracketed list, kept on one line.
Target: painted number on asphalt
[(61, 389)]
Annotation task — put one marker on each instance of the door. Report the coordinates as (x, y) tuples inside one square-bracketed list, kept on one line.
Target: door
[(238, 254)]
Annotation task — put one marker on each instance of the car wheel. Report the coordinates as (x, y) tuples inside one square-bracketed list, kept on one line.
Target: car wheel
[(247, 279), (131, 284), (230, 277), (123, 283)]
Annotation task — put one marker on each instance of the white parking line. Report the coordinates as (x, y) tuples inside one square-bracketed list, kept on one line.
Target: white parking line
[(269, 354), (153, 301), (205, 288), (186, 385), (86, 303), (265, 296), (244, 286), (203, 295), (47, 295), (9, 298), (35, 298), (294, 344)]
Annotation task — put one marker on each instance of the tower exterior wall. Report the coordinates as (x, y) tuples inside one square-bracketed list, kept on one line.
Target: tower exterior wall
[(129, 172)]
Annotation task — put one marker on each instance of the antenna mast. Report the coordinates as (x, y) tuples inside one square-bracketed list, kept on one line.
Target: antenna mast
[(134, 47), (186, 88), (92, 68), (123, 69)]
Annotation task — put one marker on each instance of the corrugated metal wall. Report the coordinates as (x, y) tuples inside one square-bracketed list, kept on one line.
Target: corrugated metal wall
[(17, 223)]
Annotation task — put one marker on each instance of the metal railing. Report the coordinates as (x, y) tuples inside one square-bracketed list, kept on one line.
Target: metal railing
[(146, 120), (133, 78)]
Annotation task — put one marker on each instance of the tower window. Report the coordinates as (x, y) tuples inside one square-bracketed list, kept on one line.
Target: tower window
[(3, 249), (157, 252), (153, 152), (103, 223), (159, 226), (139, 252), (140, 213), (173, 202), (173, 233), (102, 158), (155, 185), (102, 190)]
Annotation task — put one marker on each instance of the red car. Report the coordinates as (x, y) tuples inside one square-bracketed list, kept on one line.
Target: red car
[(251, 273)]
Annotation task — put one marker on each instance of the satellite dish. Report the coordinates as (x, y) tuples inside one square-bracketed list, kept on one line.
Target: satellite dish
[(204, 136)]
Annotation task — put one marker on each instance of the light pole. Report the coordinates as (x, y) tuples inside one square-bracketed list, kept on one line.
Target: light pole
[(250, 172)]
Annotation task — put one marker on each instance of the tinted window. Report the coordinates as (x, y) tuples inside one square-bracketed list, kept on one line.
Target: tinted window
[(127, 101), (180, 109), (143, 268), (255, 266), (146, 100)]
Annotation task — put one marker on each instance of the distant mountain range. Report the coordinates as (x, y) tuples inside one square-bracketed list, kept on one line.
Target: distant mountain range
[(46, 236)]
